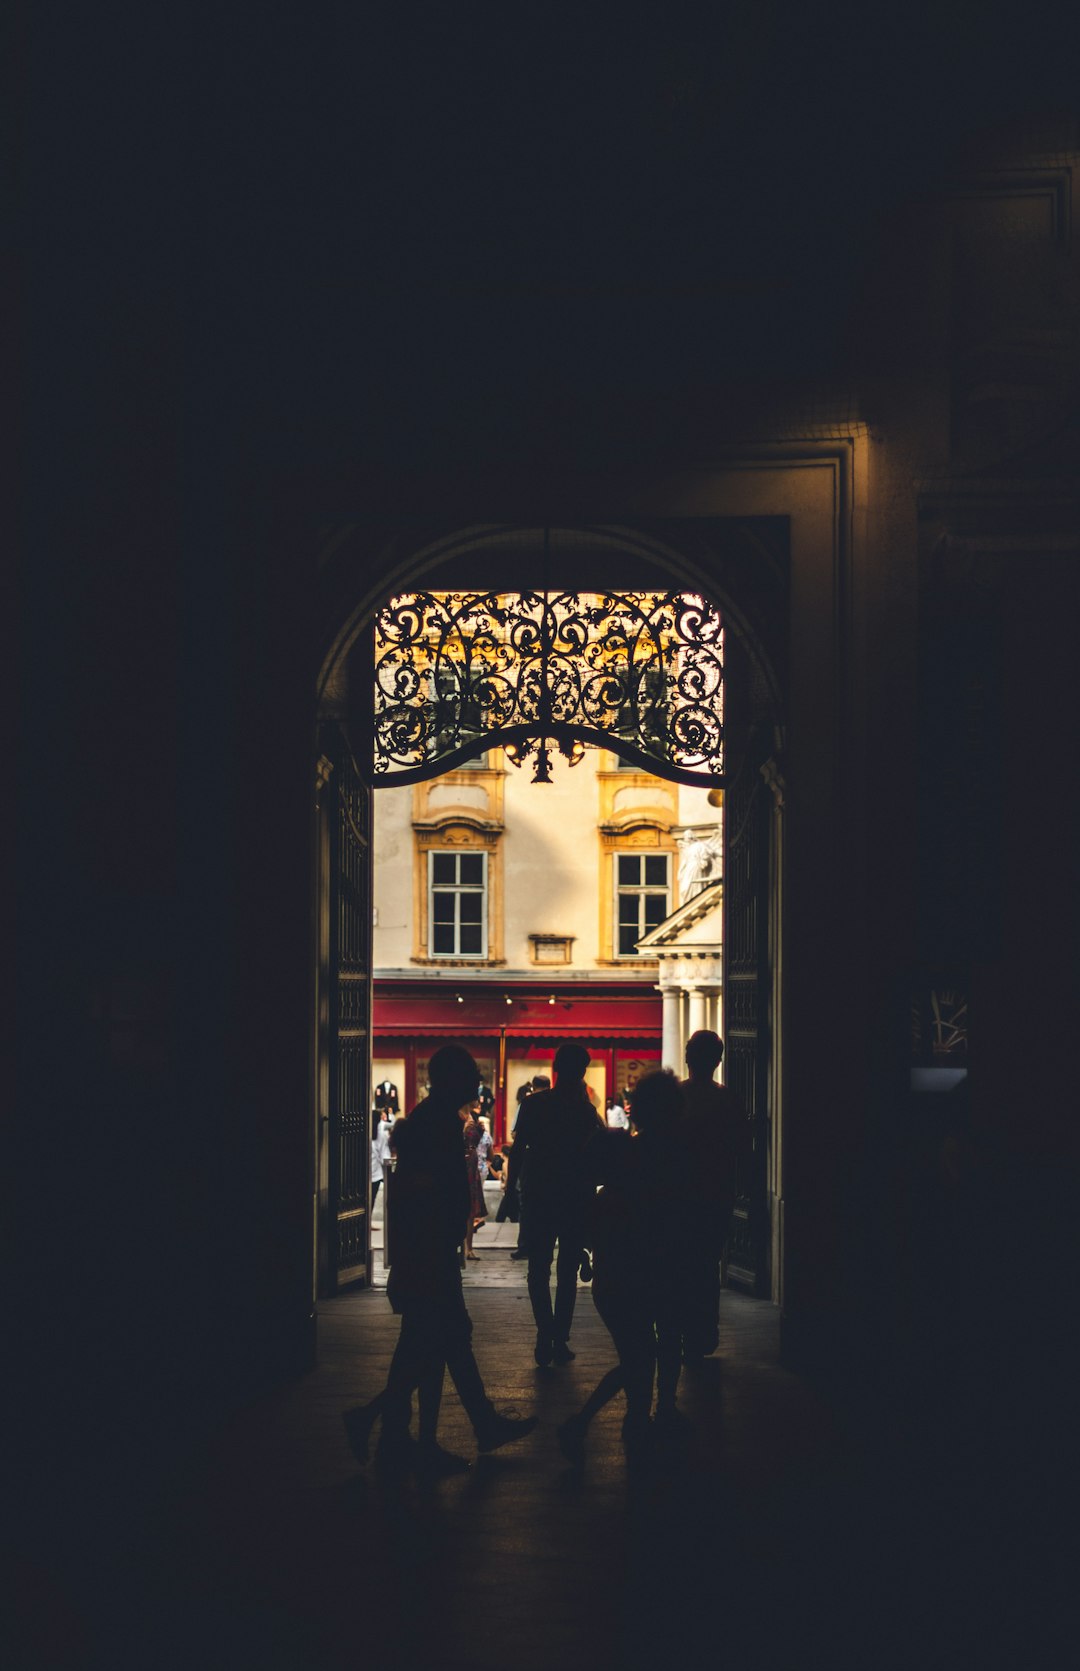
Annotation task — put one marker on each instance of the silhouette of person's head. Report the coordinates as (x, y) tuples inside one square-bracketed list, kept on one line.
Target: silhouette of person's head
[(453, 1075), (704, 1053), (541, 1082), (657, 1103), (571, 1060)]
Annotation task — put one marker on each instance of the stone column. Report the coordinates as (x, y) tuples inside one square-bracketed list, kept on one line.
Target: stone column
[(670, 1040), (698, 1017)]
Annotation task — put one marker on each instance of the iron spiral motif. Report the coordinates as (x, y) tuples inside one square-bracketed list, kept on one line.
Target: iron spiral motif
[(640, 672)]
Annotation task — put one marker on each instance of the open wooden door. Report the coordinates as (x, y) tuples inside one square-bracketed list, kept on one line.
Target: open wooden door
[(345, 1161), (747, 988)]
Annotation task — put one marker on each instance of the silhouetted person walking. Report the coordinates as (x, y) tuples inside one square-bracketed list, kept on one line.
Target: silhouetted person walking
[(431, 1208), (637, 1300), (714, 1137), (554, 1131)]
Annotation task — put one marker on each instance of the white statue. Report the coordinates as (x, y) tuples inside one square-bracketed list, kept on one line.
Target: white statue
[(700, 859)]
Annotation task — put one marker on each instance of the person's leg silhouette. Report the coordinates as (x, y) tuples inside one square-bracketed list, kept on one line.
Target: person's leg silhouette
[(541, 1244), (566, 1280)]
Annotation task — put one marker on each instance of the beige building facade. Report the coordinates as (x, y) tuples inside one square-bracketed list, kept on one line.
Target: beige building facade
[(544, 898)]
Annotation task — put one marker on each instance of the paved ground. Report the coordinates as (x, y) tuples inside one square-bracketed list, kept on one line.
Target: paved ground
[(787, 1532), (524, 1562)]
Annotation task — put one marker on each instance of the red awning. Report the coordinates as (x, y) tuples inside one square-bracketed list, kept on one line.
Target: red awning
[(575, 1014)]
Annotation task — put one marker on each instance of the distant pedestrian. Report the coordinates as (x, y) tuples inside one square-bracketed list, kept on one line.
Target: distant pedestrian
[(616, 1117), (471, 1132), (380, 1153), (554, 1131), (715, 1143), (483, 1148)]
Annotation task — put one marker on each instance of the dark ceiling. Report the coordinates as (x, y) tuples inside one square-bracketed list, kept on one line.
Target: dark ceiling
[(441, 233)]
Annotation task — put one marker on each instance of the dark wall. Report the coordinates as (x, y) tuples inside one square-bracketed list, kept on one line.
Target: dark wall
[(270, 280)]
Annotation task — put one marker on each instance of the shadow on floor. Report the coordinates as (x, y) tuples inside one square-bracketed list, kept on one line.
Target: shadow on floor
[(786, 1529)]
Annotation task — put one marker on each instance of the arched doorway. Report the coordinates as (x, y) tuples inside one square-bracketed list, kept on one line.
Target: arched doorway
[(665, 642)]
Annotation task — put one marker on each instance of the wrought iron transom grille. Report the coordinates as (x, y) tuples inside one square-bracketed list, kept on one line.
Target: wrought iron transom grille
[(641, 673)]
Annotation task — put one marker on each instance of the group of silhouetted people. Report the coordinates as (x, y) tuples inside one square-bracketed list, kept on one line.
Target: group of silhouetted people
[(598, 1196)]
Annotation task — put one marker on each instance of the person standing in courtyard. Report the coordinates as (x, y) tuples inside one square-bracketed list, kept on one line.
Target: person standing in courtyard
[(472, 1132), (380, 1154), (616, 1117), (551, 1159), (714, 1139)]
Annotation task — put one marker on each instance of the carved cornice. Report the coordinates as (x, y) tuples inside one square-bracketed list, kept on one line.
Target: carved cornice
[(486, 826), (635, 821), (1049, 185)]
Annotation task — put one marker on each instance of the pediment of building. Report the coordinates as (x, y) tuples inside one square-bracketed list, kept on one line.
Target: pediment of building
[(697, 924)]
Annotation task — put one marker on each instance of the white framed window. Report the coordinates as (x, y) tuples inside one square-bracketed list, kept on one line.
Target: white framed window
[(457, 903), (642, 897)]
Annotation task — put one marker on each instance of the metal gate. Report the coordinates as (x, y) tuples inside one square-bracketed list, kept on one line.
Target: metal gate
[(348, 1017), (746, 1015)]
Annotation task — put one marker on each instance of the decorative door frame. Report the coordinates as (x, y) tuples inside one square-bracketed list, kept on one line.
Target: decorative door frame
[(819, 487)]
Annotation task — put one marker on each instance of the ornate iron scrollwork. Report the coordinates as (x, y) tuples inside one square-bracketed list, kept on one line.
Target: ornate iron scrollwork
[(638, 672)]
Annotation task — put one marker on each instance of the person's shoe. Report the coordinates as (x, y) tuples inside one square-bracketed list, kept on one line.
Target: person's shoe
[(585, 1271), (502, 1430), (544, 1350), (434, 1463), (519, 1253), (669, 1421), (358, 1424), (561, 1352), (571, 1437)]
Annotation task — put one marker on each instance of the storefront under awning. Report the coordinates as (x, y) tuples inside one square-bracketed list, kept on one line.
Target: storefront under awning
[(553, 1014), (514, 1029)]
